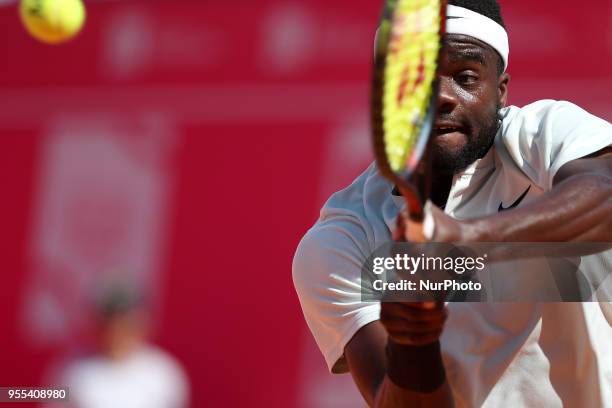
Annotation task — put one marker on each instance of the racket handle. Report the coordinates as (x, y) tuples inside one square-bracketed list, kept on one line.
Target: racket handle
[(409, 229), (414, 205)]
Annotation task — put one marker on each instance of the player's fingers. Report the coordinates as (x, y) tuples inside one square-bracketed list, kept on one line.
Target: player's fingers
[(390, 311), (400, 231), (417, 340), (427, 305), (424, 308), (400, 323), (407, 327), (411, 314), (413, 232)]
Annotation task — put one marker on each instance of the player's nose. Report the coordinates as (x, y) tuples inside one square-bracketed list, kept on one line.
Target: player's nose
[(447, 98)]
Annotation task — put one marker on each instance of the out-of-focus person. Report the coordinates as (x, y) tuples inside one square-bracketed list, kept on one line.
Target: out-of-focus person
[(125, 370)]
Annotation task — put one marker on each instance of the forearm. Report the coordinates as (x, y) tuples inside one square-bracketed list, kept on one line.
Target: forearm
[(415, 377), (391, 396), (578, 209)]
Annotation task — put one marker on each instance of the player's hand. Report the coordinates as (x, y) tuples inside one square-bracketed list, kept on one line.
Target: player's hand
[(414, 324), (408, 230), (445, 228)]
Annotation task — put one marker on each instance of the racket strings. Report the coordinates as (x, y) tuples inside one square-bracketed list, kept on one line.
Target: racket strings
[(409, 74)]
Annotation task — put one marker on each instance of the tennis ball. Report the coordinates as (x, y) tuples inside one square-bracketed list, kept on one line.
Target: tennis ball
[(52, 21)]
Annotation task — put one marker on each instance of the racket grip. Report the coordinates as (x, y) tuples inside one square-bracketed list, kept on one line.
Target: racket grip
[(409, 229), (414, 205)]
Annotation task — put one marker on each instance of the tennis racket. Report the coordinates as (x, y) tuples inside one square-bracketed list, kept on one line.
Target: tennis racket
[(404, 91)]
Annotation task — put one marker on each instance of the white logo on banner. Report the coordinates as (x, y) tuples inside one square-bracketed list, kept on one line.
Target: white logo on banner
[(101, 207)]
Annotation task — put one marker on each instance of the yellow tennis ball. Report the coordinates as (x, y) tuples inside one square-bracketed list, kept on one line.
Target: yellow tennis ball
[(52, 21)]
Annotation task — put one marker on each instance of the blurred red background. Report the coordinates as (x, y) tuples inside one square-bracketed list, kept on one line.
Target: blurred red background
[(192, 143)]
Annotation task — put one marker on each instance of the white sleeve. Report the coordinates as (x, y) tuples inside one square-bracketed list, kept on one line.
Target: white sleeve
[(327, 277), (543, 136)]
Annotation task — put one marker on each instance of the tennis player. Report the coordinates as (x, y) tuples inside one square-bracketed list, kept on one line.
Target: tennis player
[(542, 172)]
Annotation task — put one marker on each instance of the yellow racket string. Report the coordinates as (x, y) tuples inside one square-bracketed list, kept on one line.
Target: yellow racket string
[(409, 73)]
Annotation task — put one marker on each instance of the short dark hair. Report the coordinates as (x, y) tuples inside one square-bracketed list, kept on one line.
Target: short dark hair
[(117, 300), (488, 8)]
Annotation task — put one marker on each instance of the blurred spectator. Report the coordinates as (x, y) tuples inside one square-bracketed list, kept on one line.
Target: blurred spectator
[(125, 370)]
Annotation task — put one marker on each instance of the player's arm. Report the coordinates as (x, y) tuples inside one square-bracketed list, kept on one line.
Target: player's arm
[(577, 209), (396, 362)]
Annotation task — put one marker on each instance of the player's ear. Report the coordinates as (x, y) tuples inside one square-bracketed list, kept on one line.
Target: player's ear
[(502, 89)]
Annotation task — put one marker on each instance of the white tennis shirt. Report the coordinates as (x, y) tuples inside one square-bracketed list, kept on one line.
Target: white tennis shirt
[(147, 378), (496, 354)]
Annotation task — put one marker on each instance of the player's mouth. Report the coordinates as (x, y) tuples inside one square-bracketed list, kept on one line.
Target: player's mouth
[(448, 129)]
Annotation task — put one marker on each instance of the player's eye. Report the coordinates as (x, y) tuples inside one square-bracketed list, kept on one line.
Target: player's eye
[(466, 78)]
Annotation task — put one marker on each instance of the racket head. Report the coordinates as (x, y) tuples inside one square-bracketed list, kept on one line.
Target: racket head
[(404, 89)]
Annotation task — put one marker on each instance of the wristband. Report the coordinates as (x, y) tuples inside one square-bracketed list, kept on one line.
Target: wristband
[(415, 368)]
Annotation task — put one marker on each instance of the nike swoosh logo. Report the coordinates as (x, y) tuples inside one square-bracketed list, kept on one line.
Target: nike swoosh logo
[(514, 204)]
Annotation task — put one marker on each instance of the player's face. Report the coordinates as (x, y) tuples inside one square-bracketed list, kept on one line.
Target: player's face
[(471, 94)]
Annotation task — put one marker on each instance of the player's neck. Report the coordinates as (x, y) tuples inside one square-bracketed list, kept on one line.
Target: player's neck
[(440, 189)]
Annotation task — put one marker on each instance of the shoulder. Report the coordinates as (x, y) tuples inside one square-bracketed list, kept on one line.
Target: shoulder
[(153, 356), (83, 366), (162, 369), (540, 118), (366, 191), (351, 223), (542, 136), (334, 246)]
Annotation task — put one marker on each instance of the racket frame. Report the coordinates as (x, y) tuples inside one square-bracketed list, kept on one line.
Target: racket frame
[(403, 179)]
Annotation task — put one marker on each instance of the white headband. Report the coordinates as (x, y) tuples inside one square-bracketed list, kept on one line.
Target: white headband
[(460, 20)]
